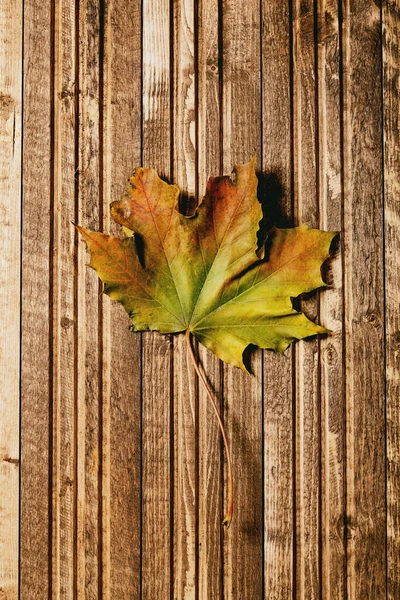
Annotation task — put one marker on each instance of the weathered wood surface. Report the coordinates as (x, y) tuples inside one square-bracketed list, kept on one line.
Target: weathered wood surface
[(391, 149), (10, 278), (40, 494), (363, 292), (122, 485)]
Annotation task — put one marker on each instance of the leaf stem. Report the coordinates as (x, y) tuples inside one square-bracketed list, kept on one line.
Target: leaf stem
[(228, 517)]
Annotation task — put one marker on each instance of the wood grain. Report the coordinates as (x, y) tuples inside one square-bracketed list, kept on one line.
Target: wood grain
[(333, 573), (121, 348), (210, 584), (364, 307), (184, 81), (275, 192), (241, 127), (65, 315), (391, 122), (157, 357), (123, 477), (89, 306), (10, 252), (37, 384), (306, 353)]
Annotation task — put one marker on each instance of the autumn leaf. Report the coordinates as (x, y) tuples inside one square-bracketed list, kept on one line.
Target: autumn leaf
[(202, 273), (205, 274)]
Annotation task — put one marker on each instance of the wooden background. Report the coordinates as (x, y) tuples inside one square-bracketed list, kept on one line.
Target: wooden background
[(122, 483)]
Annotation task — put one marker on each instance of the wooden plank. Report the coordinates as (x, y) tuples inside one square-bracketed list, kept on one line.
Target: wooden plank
[(307, 428), (185, 475), (391, 99), (64, 322), (333, 575), (210, 463), (89, 312), (275, 191), (364, 307), (121, 413), (36, 377), (157, 405), (185, 380), (10, 225), (243, 551)]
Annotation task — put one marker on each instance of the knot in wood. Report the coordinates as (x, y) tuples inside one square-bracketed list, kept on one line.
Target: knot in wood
[(372, 318)]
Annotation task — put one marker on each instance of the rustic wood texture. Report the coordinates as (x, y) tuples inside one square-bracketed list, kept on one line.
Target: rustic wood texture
[(332, 425), (123, 480), (362, 234), (276, 187), (121, 437), (10, 283), (185, 396), (66, 335), (158, 515), (391, 124), (39, 459), (210, 481), (306, 356), (243, 396)]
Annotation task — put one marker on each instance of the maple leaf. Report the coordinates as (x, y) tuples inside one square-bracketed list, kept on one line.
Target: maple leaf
[(204, 274)]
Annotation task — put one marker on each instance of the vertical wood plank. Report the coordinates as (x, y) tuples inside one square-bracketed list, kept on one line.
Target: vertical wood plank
[(243, 551), (90, 313), (391, 99), (10, 226), (36, 377), (307, 430), (331, 348), (121, 487), (275, 191), (364, 309), (63, 361), (157, 406), (185, 475), (185, 380), (210, 464)]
